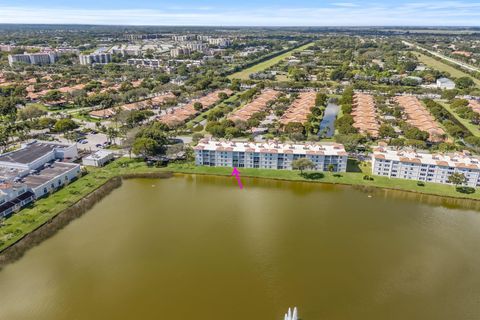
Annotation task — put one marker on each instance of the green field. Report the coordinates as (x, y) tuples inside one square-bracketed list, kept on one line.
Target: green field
[(440, 66), (470, 126), (244, 74)]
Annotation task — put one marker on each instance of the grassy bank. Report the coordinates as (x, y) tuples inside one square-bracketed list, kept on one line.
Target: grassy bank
[(16, 227), (244, 74), (43, 210), (346, 178)]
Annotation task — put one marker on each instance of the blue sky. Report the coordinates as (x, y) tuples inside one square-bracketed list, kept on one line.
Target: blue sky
[(244, 12)]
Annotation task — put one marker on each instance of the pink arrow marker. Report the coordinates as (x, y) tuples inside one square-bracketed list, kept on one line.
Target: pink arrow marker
[(236, 173)]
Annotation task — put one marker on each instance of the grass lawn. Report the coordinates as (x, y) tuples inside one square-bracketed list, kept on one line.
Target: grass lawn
[(434, 63), (244, 74), (470, 126), (29, 219)]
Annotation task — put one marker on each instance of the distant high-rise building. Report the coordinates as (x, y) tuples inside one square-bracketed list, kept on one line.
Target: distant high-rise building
[(101, 58), (33, 58)]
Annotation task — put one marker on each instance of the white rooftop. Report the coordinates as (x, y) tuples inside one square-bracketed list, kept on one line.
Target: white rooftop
[(100, 154), (457, 160), (272, 147)]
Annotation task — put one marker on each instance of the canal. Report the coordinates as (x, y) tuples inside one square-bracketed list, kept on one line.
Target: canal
[(197, 247), (327, 125)]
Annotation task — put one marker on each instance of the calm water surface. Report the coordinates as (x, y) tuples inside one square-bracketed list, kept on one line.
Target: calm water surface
[(199, 248), (328, 120)]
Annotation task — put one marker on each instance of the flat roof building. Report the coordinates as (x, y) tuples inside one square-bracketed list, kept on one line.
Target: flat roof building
[(445, 83), (34, 171), (33, 155), (422, 166), (98, 159), (100, 58), (269, 155), (33, 58)]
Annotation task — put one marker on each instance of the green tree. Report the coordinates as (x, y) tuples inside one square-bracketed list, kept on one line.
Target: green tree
[(112, 134), (387, 131), (302, 164), (64, 125), (145, 147), (30, 112), (457, 179), (52, 95), (464, 82), (198, 106)]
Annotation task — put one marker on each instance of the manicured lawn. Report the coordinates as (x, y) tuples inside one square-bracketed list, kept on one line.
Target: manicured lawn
[(470, 126), (244, 74), (429, 61)]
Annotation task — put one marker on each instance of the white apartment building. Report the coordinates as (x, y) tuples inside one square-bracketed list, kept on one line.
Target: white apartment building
[(195, 46), (408, 164), (33, 58), (184, 37), (148, 63), (176, 52), (270, 155), (101, 58), (221, 42)]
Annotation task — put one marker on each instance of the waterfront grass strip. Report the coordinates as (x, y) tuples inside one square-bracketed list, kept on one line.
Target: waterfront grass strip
[(42, 211)]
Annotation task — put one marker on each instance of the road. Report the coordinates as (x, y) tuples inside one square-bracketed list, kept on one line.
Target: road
[(441, 56)]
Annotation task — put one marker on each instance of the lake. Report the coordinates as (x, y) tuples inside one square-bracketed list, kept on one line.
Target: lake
[(198, 247)]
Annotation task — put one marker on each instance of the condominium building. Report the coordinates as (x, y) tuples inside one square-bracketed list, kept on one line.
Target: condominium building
[(176, 52), (269, 155), (408, 164), (101, 58), (195, 46), (33, 58), (221, 42), (184, 37), (148, 63)]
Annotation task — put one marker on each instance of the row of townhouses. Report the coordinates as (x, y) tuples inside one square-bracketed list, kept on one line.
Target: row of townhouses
[(34, 171), (268, 155)]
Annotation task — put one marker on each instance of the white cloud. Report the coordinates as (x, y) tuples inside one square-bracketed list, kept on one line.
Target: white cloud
[(448, 13)]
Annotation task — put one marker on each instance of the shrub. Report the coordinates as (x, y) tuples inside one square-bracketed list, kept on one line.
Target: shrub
[(368, 177), (420, 183), (466, 190), (198, 128)]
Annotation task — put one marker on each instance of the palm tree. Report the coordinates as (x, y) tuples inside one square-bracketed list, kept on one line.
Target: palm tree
[(112, 134)]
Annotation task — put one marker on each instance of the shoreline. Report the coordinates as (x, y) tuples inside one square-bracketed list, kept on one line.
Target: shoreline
[(49, 228), (16, 249), (342, 184)]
